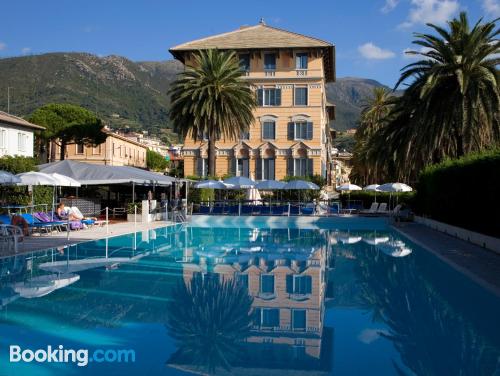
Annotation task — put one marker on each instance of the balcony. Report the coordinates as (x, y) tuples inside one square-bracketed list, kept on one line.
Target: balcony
[(301, 72), (270, 73)]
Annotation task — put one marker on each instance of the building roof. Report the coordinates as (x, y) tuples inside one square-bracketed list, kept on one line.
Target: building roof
[(260, 36), (15, 120), (123, 138)]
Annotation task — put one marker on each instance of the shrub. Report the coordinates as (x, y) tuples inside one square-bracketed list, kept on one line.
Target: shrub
[(463, 192), (20, 195)]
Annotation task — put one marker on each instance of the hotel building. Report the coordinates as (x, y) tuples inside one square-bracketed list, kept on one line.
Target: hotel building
[(290, 134)]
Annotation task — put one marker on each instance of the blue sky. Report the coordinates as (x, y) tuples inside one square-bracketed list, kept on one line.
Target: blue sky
[(370, 35)]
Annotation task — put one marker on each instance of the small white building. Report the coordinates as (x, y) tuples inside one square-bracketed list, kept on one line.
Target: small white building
[(16, 136)]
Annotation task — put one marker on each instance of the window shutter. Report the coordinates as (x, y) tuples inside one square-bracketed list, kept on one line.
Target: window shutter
[(289, 167), (246, 171), (310, 166), (289, 283), (278, 97), (199, 167), (291, 129), (233, 166), (309, 131), (271, 171), (308, 287), (306, 99), (260, 97), (258, 169), (256, 315)]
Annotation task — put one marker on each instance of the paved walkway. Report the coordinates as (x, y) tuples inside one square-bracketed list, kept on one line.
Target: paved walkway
[(480, 264), (58, 239)]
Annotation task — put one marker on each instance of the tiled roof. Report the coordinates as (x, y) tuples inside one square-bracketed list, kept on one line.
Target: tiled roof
[(14, 120), (258, 36)]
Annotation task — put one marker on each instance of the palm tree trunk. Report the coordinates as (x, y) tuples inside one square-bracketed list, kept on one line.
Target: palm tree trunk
[(63, 150), (211, 154), (52, 146)]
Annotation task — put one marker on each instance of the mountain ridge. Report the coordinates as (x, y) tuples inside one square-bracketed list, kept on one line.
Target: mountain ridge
[(128, 93)]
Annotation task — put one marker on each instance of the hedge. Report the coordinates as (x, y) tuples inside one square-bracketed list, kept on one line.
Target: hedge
[(20, 195), (463, 192)]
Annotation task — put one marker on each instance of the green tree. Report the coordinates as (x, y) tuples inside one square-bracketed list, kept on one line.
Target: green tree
[(374, 115), (211, 99), (451, 105), (67, 124), (155, 161)]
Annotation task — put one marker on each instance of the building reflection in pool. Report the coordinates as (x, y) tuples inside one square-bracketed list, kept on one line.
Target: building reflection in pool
[(284, 274)]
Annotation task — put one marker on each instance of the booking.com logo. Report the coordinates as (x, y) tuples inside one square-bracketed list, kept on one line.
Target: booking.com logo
[(61, 355)]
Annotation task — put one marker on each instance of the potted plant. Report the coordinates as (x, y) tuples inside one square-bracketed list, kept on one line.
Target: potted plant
[(131, 211)]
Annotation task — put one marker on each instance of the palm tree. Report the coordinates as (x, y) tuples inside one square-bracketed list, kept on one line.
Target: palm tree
[(451, 105), (374, 115), (209, 318), (210, 99)]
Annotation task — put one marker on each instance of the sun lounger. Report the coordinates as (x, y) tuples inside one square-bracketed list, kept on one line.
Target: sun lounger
[(10, 236), (373, 209), (278, 210), (35, 223), (382, 209), (294, 210), (307, 211), (204, 209)]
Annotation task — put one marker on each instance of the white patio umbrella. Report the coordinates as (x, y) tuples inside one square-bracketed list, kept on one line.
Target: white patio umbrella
[(395, 248), (372, 188), (300, 185), (36, 178), (348, 239), (253, 195), (270, 185), (374, 240), (8, 178), (348, 187), (239, 182), (210, 184), (395, 187)]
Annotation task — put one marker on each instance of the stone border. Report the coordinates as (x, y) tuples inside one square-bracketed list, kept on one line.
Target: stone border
[(484, 241)]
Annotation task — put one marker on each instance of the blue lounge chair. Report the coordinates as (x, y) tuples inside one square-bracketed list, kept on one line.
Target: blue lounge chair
[(204, 209), (278, 210), (294, 210), (307, 211), (233, 210), (219, 209), (35, 223), (246, 210), (265, 210)]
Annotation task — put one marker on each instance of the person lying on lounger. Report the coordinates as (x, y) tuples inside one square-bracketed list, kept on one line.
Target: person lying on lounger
[(73, 213), (20, 222)]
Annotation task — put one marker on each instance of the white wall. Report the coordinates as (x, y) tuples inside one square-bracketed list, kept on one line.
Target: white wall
[(9, 140)]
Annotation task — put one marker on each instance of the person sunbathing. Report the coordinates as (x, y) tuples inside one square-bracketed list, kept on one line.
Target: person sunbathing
[(64, 213), (20, 222)]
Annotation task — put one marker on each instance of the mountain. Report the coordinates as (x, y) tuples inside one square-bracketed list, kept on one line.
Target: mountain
[(126, 93), (349, 94)]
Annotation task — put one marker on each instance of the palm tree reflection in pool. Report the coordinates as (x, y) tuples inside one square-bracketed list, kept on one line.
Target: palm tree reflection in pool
[(209, 317)]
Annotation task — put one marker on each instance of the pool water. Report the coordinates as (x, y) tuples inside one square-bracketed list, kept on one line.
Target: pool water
[(334, 298)]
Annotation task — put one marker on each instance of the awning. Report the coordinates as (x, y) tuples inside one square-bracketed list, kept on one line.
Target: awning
[(94, 174)]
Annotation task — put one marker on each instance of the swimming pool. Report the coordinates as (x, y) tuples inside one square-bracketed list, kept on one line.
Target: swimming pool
[(240, 296)]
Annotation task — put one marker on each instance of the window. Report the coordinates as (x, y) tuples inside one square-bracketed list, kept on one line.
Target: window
[(202, 167), (299, 319), (268, 130), (298, 284), (269, 97), (265, 169), (242, 167), (245, 62), (300, 96), (96, 150), (270, 61), (22, 141), (300, 130), (267, 284), (80, 148), (301, 60), (3, 139), (267, 317), (300, 167)]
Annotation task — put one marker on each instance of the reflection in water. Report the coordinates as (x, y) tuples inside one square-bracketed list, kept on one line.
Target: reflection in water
[(256, 301), (209, 318), (284, 273)]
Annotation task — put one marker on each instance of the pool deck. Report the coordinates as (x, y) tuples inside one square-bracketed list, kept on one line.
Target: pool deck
[(479, 264), (59, 239)]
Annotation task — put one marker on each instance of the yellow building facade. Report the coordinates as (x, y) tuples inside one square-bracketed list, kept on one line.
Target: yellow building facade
[(290, 134), (115, 151)]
